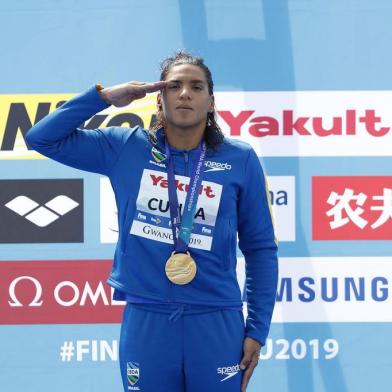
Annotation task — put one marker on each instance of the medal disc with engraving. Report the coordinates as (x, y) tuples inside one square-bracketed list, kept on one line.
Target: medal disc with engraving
[(180, 268)]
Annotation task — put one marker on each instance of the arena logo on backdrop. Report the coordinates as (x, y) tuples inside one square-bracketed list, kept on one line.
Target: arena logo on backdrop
[(41, 210), (352, 208), (44, 215), (287, 123)]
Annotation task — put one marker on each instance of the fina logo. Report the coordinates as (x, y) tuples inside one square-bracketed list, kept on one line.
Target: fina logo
[(205, 230), (156, 220), (216, 166)]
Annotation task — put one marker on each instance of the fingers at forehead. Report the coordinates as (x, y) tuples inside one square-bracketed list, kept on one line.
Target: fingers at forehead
[(140, 94), (155, 86)]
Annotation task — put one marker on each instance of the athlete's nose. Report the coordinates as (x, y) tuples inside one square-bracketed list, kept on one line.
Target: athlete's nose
[(184, 93)]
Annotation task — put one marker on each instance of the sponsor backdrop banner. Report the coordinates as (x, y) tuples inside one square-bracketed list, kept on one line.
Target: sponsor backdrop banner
[(315, 107)]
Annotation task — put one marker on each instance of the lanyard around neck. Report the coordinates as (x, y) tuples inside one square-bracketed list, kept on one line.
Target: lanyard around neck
[(182, 225)]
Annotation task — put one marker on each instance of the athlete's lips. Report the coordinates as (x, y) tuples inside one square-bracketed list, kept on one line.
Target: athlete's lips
[(184, 107)]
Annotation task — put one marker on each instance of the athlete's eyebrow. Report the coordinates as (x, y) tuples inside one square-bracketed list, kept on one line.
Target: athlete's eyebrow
[(197, 81), (194, 81)]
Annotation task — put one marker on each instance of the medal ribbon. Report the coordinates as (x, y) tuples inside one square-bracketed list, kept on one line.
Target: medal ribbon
[(182, 226)]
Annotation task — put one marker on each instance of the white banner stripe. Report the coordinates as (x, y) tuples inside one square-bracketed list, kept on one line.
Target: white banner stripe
[(332, 289)]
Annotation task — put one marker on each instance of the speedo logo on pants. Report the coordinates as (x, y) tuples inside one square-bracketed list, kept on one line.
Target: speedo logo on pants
[(216, 166), (228, 371)]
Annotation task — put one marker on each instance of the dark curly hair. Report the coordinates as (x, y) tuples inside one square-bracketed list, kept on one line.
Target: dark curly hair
[(213, 135)]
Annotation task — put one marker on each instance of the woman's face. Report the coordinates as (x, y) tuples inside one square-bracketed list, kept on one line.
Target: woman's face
[(185, 100)]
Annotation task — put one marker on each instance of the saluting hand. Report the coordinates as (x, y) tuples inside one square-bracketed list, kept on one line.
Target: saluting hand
[(249, 360), (123, 94)]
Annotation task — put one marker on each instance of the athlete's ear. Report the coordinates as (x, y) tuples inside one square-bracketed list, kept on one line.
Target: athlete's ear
[(159, 101), (212, 104)]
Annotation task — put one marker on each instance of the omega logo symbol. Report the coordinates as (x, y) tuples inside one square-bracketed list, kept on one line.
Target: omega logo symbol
[(38, 292)]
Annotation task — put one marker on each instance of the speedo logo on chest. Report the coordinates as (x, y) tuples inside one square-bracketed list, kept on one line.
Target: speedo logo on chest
[(216, 166), (161, 181)]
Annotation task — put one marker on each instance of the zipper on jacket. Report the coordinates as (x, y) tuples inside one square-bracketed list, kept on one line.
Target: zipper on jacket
[(186, 159)]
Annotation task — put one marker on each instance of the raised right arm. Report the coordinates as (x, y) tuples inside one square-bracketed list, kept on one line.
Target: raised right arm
[(58, 137)]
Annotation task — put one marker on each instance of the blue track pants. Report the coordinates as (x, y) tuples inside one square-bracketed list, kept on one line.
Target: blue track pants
[(196, 350)]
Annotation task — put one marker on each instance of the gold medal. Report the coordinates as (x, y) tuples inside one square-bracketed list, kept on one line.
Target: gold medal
[(180, 268)]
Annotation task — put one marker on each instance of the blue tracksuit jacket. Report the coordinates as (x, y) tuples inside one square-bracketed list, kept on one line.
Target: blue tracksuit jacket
[(233, 198)]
